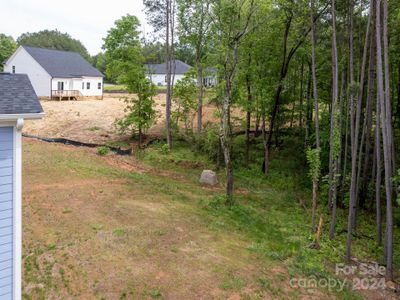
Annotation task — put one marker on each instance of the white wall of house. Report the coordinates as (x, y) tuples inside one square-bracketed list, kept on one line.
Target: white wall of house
[(95, 86), (159, 79), (21, 62), (88, 86)]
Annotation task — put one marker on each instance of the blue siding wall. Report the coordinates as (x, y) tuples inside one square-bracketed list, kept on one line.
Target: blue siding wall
[(6, 212)]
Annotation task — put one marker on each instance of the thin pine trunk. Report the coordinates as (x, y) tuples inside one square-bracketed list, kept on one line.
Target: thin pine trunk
[(386, 119), (168, 48), (332, 154), (302, 94)]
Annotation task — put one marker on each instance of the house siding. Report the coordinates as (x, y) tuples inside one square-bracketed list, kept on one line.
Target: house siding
[(6, 212), (25, 64), (159, 79), (76, 84)]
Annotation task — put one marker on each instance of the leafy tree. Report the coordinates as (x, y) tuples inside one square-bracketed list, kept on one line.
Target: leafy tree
[(7, 48), (125, 65), (195, 26), (154, 53), (53, 39), (161, 14), (99, 62), (185, 100)]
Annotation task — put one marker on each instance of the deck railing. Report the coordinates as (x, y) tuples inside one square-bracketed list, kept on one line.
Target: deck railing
[(66, 94)]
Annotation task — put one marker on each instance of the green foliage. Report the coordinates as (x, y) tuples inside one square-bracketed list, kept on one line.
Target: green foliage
[(99, 62), (208, 142), (396, 183), (140, 114), (165, 149), (125, 65), (185, 102), (7, 48), (314, 162), (53, 39), (103, 150), (119, 232), (123, 51)]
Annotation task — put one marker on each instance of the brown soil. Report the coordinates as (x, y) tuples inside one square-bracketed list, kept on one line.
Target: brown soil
[(92, 121)]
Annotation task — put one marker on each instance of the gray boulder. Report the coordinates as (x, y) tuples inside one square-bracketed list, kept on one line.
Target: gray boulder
[(208, 177)]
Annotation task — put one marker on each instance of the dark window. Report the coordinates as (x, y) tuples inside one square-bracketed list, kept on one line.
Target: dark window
[(83, 85), (60, 85), (13, 69), (88, 85), (99, 86), (165, 78)]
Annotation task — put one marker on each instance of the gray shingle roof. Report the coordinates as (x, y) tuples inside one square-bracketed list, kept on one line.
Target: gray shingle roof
[(63, 64), (17, 95), (180, 68)]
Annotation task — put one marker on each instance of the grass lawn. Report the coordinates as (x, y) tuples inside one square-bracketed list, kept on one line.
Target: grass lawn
[(114, 87), (143, 228), (121, 87)]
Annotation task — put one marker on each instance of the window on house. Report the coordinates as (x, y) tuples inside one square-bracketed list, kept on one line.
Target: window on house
[(88, 85), (83, 85), (165, 78), (99, 86), (13, 69), (60, 85)]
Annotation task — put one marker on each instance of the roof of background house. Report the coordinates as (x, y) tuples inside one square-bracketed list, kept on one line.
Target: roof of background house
[(180, 68), (63, 63), (17, 95)]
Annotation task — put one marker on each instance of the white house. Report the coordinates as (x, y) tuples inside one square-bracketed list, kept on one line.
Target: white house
[(18, 102), (157, 73), (56, 74)]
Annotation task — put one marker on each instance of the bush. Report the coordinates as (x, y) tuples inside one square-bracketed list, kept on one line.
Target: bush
[(165, 149), (103, 150)]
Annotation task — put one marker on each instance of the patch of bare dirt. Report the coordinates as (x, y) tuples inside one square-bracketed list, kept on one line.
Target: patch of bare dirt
[(92, 121)]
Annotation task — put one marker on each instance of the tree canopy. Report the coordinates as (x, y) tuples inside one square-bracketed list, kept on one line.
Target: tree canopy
[(7, 48), (53, 39)]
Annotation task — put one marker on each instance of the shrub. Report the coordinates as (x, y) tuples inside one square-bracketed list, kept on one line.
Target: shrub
[(165, 149), (103, 150)]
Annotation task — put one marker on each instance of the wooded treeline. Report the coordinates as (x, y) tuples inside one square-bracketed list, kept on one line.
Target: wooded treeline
[(327, 70)]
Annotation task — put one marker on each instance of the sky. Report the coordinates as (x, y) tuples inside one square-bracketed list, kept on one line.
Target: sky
[(85, 20)]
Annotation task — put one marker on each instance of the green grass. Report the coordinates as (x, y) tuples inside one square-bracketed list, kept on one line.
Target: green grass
[(123, 88), (270, 214), (114, 87)]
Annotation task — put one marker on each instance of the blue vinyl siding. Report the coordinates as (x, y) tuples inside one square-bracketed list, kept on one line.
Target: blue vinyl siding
[(6, 212)]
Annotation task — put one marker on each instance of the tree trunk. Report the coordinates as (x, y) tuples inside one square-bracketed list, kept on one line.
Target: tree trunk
[(386, 119), (302, 95), (248, 115), (225, 143), (168, 48), (309, 111), (355, 126), (200, 95), (333, 152), (314, 76), (378, 176), (352, 204), (398, 94)]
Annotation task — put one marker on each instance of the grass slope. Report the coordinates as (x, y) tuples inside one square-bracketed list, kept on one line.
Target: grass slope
[(143, 228)]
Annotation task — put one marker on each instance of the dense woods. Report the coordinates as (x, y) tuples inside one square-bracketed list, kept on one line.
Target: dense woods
[(325, 72)]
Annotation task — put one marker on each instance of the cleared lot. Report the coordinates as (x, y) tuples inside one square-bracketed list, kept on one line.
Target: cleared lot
[(85, 121), (92, 121)]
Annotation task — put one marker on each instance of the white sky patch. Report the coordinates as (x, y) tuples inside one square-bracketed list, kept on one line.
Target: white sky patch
[(85, 20)]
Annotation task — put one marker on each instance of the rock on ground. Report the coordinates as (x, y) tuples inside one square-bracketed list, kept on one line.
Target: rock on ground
[(208, 177)]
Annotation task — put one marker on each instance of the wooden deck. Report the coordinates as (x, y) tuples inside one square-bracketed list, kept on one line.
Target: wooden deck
[(66, 95)]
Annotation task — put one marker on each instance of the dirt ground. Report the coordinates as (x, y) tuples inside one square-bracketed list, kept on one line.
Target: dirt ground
[(92, 121), (99, 228)]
